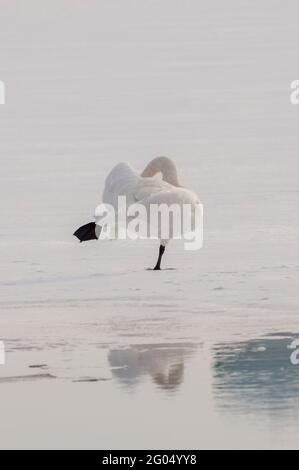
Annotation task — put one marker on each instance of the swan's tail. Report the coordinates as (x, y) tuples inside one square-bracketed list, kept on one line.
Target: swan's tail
[(87, 232)]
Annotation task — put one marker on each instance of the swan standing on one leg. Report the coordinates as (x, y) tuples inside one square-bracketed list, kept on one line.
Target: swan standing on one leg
[(144, 189)]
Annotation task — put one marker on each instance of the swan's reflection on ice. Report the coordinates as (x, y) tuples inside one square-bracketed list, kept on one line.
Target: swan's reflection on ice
[(164, 363), (256, 375)]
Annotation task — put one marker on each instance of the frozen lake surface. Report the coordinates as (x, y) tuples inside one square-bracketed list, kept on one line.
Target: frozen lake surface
[(101, 352)]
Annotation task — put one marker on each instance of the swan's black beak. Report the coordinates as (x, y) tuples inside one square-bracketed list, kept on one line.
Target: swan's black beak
[(86, 232)]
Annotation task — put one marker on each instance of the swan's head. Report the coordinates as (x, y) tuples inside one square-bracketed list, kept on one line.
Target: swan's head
[(162, 165)]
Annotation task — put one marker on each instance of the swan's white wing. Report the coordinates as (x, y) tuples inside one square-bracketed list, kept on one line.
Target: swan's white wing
[(147, 191), (124, 181), (181, 203), (147, 187), (169, 194), (121, 181)]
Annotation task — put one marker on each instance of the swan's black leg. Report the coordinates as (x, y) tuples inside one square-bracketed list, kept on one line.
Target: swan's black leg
[(161, 253), (89, 231)]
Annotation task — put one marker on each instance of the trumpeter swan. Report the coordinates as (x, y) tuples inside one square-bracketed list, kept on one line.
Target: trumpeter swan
[(144, 189)]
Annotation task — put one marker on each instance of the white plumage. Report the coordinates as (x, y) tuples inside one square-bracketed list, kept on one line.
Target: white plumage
[(146, 189)]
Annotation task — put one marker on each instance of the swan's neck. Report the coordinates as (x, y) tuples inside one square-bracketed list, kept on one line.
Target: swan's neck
[(162, 165)]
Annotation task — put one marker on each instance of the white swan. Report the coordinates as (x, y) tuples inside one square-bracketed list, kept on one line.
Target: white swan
[(144, 189)]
